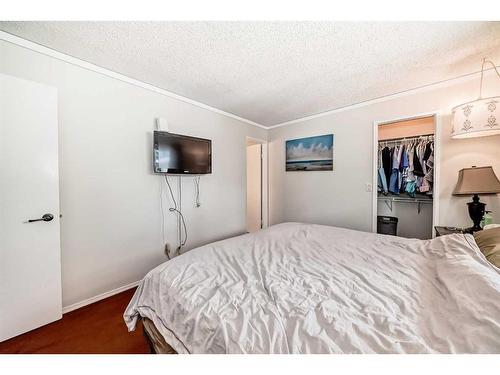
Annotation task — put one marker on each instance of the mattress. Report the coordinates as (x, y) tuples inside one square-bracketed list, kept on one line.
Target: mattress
[(303, 288)]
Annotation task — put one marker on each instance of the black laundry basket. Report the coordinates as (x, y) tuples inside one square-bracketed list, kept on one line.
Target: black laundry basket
[(387, 225)]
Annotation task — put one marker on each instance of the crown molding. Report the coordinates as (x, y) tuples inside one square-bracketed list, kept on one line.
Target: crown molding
[(21, 42), (109, 73), (365, 103)]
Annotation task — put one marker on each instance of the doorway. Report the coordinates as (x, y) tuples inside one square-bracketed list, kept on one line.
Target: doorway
[(405, 202), (256, 185)]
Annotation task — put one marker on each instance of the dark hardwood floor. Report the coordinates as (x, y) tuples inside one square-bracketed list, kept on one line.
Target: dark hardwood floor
[(94, 329)]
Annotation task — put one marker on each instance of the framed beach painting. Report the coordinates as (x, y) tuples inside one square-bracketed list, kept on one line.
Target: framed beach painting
[(310, 154)]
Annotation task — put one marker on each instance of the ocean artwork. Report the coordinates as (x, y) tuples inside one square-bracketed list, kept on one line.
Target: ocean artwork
[(310, 154)]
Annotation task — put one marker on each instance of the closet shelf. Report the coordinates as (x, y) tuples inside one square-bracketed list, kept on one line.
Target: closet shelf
[(389, 199), (404, 199)]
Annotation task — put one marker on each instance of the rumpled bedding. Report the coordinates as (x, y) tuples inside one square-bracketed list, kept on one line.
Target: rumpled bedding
[(303, 288)]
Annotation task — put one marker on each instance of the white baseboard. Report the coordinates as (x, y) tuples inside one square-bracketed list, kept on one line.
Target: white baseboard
[(99, 297)]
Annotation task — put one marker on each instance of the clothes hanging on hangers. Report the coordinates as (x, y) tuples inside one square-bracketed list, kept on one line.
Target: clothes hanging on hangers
[(386, 162), (394, 181), (406, 166), (417, 166), (382, 180), (429, 176)]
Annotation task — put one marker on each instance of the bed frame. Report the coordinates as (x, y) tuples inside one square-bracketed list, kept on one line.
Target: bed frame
[(156, 342)]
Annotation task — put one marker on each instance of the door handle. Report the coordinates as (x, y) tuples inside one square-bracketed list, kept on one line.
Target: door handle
[(46, 217)]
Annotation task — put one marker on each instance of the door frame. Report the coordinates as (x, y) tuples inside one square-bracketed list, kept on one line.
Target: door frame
[(437, 164), (264, 202)]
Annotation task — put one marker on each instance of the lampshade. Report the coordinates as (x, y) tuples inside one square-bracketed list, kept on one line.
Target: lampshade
[(477, 180), (477, 118)]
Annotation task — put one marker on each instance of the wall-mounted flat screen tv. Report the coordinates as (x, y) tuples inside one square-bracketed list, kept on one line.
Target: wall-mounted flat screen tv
[(180, 154)]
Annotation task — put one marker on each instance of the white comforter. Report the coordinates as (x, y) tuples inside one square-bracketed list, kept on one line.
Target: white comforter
[(297, 288)]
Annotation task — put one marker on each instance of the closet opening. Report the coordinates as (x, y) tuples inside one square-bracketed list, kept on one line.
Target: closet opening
[(405, 179)]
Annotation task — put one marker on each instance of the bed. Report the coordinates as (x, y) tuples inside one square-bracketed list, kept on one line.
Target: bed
[(303, 288)]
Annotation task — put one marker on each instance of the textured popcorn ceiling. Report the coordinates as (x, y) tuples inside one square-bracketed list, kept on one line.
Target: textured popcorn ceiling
[(273, 72)]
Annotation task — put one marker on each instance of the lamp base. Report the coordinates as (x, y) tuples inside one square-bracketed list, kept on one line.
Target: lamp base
[(476, 212)]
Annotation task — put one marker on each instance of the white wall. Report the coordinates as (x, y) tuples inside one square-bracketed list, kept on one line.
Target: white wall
[(339, 197), (111, 226)]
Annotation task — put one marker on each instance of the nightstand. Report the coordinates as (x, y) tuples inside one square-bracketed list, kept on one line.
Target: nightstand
[(441, 231)]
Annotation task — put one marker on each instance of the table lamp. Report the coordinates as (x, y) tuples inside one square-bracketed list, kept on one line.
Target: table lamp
[(475, 181)]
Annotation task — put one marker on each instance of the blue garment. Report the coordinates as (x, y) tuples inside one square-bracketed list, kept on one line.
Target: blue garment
[(396, 157), (404, 160), (382, 181), (403, 169), (410, 188), (394, 181)]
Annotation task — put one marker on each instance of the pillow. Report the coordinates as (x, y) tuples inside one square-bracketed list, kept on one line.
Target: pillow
[(488, 242)]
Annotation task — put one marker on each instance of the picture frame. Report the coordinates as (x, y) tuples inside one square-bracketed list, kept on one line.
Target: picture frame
[(310, 153)]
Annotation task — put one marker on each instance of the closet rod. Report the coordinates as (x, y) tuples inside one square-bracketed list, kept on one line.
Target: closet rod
[(423, 136)]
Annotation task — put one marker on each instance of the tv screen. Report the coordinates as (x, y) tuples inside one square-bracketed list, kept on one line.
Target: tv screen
[(180, 154)]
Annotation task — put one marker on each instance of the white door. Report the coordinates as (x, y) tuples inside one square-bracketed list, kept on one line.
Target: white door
[(254, 187), (30, 259)]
